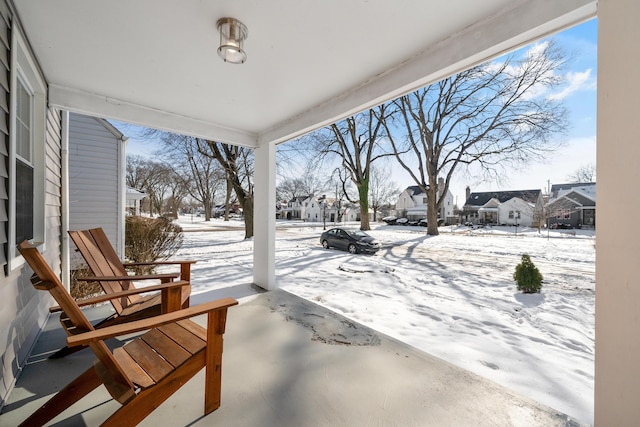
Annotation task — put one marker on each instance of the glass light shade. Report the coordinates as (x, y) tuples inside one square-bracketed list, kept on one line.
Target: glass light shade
[(232, 35)]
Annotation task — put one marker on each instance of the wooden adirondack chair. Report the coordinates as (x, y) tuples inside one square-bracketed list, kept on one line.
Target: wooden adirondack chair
[(147, 370), (111, 274)]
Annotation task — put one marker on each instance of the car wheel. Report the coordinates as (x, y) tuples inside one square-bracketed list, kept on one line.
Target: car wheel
[(325, 244), (352, 248)]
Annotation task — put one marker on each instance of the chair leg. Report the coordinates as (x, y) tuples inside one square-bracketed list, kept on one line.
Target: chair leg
[(147, 400), (74, 391), (213, 372)]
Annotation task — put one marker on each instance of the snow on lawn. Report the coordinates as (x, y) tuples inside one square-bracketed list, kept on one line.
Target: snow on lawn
[(451, 295)]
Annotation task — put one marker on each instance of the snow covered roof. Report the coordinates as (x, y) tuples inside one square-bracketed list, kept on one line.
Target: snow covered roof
[(481, 198)]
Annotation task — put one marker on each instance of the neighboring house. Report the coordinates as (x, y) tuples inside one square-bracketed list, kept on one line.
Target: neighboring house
[(308, 211), (97, 190), (294, 208), (486, 207), (558, 190), (412, 203), (352, 213), (516, 211), (322, 209), (133, 200), (572, 206)]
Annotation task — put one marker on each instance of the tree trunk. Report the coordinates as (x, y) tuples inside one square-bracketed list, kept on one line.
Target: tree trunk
[(363, 193), (227, 199), (207, 210), (432, 210), (248, 217)]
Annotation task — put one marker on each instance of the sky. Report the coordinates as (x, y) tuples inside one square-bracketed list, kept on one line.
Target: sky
[(452, 296), (578, 144)]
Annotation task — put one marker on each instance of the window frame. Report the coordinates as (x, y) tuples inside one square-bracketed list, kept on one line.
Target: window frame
[(24, 68)]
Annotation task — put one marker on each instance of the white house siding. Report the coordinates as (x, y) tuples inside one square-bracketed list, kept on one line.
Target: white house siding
[(405, 201), (96, 178), (24, 310), (5, 56), (514, 205)]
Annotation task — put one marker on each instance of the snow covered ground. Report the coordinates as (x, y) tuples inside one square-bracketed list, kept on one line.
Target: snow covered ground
[(451, 295)]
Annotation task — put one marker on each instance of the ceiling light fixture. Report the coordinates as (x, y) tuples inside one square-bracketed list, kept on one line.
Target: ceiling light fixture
[(232, 35)]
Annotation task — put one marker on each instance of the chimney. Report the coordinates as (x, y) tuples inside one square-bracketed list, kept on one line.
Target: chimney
[(468, 194)]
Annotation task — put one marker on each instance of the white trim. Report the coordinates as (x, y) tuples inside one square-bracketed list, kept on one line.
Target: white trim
[(65, 209), (476, 44), (92, 104), (23, 66)]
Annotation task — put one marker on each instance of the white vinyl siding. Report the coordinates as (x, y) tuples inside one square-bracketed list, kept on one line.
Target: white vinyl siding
[(25, 310), (96, 178)]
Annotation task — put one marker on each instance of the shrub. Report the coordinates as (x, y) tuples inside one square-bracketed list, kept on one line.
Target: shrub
[(148, 239), (81, 289), (527, 276)]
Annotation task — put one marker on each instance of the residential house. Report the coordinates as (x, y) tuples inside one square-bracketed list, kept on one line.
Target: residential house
[(516, 211), (97, 191), (51, 66), (412, 203), (572, 206), (524, 207), (558, 190), (133, 199), (294, 208)]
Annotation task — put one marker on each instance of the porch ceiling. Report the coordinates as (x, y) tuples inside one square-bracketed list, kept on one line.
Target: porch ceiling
[(154, 62)]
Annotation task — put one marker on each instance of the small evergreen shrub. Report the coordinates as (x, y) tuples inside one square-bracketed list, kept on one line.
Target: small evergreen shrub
[(149, 239), (527, 276)]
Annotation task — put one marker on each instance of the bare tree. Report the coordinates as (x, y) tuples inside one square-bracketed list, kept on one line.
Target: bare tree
[(290, 188), (153, 177), (199, 175), (357, 141), (382, 191), (585, 173), (136, 171), (237, 163), (492, 115)]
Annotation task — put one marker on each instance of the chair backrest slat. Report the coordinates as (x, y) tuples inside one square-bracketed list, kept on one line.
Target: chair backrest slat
[(102, 260)]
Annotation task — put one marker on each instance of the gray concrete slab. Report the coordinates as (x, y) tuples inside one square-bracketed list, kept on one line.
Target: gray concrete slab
[(289, 362)]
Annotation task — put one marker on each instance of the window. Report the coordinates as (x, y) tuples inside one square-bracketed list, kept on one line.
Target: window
[(23, 165), (424, 200), (567, 214), (559, 214), (27, 150), (510, 214)]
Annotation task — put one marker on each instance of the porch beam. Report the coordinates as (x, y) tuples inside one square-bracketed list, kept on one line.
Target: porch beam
[(504, 31), (96, 105)]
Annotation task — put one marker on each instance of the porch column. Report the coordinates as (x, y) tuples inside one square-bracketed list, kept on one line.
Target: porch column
[(617, 367), (264, 217)]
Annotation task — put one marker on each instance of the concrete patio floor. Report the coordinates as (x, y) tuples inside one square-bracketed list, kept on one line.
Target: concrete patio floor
[(289, 362)]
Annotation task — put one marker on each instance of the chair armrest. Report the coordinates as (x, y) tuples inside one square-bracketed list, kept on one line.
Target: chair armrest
[(152, 322), (168, 262), (128, 278), (116, 295)]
